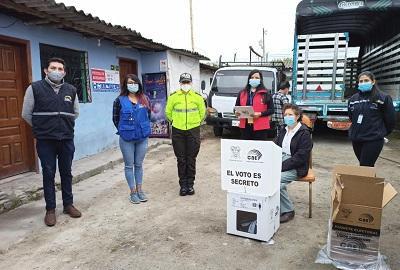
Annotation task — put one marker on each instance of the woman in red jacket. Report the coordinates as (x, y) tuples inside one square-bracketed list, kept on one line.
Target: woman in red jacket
[(256, 95)]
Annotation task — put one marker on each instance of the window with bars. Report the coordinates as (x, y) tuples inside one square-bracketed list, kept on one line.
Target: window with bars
[(77, 68)]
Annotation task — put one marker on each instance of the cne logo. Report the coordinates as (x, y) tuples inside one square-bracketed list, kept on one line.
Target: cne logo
[(235, 150), (346, 212), (68, 98), (254, 155), (366, 218), (350, 4)]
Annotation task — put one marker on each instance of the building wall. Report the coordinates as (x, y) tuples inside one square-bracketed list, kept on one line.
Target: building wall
[(151, 61), (94, 131), (178, 64), (206, 75)]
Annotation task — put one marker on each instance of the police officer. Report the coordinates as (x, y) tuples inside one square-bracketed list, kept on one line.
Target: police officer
[(186, 110), (373, 117), (51, 107)]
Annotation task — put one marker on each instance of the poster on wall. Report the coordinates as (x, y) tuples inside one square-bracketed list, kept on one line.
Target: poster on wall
[(104, 80), (163, 65), (155, 87)]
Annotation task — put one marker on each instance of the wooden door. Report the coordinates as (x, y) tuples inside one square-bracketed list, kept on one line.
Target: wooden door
[(126, 66), (15, 153)]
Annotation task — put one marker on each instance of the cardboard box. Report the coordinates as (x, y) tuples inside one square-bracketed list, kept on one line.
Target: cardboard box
[(252, 167), (253, 216), (358, 198)]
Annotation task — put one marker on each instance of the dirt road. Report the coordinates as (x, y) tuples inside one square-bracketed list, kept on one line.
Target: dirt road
[(172, 232)]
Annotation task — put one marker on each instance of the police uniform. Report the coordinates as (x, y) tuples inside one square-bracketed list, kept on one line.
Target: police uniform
[(186, 111)]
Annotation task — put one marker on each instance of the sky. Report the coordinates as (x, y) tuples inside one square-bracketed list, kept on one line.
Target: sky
[(221, 27)]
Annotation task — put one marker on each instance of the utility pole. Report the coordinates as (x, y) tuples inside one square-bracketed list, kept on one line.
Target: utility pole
[(264, 33), (191, 24)]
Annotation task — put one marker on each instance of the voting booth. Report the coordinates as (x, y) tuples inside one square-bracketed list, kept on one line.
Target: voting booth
[(251, 173)]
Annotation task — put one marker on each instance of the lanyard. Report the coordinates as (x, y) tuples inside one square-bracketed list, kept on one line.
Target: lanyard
[(251, 98)]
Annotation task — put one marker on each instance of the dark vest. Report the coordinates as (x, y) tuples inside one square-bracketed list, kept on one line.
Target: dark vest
[(53, 115)]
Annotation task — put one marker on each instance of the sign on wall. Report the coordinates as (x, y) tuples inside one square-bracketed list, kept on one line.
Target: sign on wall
[(104, 80), (155, 87), (163, 65)]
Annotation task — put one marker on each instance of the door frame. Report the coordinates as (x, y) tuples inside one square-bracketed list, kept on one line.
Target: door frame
[(26, 68), (129, 60)]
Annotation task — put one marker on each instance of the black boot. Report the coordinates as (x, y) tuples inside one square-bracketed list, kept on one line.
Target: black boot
[(190, 191), (183, 191)]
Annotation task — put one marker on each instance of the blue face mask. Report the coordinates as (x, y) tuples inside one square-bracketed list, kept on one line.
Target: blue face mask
[(365, 87), (132, 87), (289, 120), (254, 82)]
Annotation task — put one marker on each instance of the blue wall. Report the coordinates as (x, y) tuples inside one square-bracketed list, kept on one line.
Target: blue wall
[(151, 61), (94, 130)]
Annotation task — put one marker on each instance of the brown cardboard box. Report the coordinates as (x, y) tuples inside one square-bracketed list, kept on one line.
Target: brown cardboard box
[(358, 197)]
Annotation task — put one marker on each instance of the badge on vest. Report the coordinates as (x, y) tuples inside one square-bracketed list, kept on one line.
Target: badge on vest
[(68, 98), (360, 118)]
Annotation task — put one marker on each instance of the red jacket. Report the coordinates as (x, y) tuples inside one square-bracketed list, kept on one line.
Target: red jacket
[(262, 122)]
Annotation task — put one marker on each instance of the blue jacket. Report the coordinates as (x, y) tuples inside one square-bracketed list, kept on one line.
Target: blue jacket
[(134, 123), (371, 119)]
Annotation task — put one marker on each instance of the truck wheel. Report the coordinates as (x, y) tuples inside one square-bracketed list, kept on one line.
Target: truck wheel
[(218, 131)]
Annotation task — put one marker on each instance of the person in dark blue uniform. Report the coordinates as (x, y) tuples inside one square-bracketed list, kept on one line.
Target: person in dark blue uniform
[(373, 117)]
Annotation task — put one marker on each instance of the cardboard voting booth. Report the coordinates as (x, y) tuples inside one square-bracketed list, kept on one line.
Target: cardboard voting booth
[(251, 173), (358, 198)]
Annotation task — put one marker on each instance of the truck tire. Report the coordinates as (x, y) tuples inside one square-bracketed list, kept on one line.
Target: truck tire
[(218, 131)]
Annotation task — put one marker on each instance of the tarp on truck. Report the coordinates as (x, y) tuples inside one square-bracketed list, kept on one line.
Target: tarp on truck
[(375, 20)]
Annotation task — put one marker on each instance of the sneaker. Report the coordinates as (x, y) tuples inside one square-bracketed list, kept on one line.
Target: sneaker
[(134, 198), (142, 196)]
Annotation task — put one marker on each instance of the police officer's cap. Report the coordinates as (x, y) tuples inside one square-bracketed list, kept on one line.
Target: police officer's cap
[(185, 77)]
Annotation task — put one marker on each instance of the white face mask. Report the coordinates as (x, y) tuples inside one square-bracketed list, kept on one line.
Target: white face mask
[(186, 87)]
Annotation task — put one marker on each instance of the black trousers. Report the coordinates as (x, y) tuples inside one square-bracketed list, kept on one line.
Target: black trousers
[(49, 151), (186, 144), (368, 152), (248, 133)]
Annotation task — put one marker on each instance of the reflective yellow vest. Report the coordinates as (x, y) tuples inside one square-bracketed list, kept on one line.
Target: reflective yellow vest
[(185, 110)]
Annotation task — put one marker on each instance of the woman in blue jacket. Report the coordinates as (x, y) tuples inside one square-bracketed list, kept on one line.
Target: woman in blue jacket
[(295, 140), (372, 117), (131, 116)]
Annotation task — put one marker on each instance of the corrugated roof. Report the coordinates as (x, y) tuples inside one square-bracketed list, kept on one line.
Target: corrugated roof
[(58, 15), (208, 67), (190, 53)]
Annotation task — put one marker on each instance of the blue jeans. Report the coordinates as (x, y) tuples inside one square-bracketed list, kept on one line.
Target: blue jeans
[(286, 178), (133, 153)]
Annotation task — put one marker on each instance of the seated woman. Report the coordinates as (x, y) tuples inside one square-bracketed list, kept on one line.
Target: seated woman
[(295, 140)]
